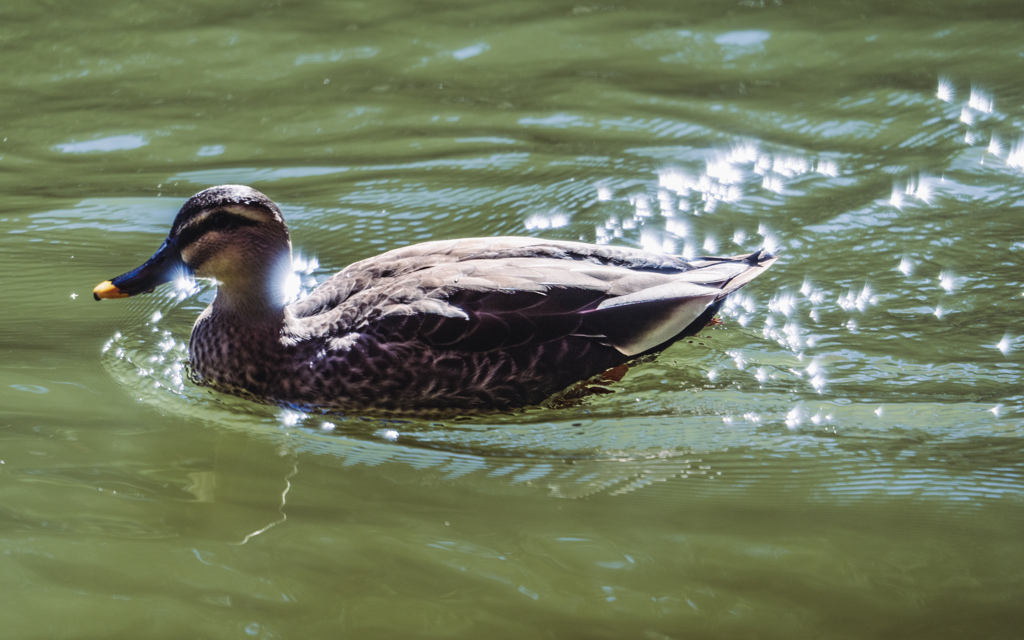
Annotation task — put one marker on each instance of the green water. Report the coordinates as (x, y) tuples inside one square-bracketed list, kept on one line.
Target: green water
[(842, 458)]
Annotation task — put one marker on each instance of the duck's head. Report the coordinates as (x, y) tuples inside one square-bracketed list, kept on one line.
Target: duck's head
[(231, 233)]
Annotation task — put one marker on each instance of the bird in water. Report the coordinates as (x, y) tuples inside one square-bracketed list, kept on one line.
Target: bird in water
[(477, 324)]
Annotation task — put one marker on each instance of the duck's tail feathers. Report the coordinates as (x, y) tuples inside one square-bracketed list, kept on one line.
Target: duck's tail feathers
[(650, 319)]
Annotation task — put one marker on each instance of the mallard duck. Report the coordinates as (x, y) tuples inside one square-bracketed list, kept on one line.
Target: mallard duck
[(459, 325)]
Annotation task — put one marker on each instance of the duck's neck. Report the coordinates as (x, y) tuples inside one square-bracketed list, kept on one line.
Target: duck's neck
[(246, 308), (257, 296)]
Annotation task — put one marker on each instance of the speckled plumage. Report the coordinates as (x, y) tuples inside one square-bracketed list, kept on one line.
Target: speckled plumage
[(474, 324)]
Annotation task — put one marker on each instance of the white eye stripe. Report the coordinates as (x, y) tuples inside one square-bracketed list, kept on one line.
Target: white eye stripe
[(220, 219), (250, 214)]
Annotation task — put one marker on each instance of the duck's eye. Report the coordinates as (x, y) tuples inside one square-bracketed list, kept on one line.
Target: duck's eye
[(221, 221)]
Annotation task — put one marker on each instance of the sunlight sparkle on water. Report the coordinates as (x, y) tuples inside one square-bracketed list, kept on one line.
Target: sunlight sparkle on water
[(981, 100), (1005, 345), (553, 220), (789, 336), (906, 266), (641, 206), (896, 199), (828, 168), (996, 410), (996, 146), (739, 236), (1016, 155), (666, 202), (945, 91), (304, 265), (604, 194), (866, 297), (725, 193), (763, 164), (921, 187), (184, 285), (924, 190), (814, 368), (947, 281), (724, 171), (291, 418), (653, 241), (815, 296), (745, 152), (794, 417), (791, 166), (110, 343), (736, 304), (794, 335), (710, 245), (967, 116), (858, 301), (674, 180), (678, 228), (772, 183), (784, 303)]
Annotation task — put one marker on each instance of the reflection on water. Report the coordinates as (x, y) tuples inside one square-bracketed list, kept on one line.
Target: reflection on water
[(108, 144)]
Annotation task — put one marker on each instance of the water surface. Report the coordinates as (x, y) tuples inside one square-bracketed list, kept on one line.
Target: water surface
[(841, 458)]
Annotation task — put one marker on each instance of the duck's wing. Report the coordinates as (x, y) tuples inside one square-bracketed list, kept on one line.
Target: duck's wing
[(478, 295)]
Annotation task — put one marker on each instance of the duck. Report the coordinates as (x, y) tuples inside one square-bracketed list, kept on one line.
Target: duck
[(464, 325)]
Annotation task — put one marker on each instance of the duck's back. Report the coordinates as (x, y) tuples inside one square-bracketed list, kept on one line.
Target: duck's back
[(496, 322)]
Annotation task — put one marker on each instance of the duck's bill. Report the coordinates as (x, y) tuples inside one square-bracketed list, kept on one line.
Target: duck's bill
[(165, 265)]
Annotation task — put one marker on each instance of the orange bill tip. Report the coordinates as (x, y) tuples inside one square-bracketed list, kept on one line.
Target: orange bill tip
[(107, 290)]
